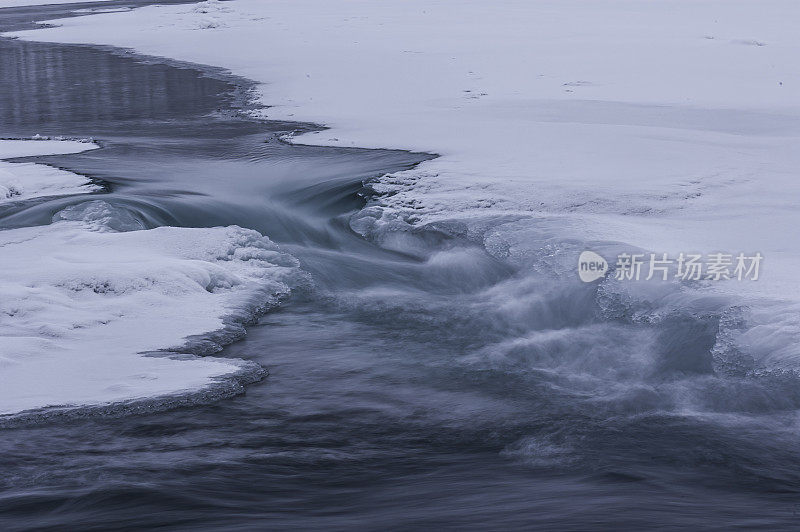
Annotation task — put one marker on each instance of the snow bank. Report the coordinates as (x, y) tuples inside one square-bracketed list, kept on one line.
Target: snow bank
[(21, 181), (83, 300)]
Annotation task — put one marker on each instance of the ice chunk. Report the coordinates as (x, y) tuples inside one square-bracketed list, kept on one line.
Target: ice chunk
[(79, 306), (22, 181)]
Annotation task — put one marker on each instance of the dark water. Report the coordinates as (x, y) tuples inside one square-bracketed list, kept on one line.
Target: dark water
[(439, 388)]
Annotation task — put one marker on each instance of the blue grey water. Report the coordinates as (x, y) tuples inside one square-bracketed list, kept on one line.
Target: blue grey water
[(380, 409)]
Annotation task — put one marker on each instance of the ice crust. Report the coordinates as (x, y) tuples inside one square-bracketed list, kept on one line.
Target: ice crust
[(24, 181), (82, 303), (21, 3)]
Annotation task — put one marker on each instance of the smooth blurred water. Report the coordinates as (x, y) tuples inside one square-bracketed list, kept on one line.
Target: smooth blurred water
[(438, 387)]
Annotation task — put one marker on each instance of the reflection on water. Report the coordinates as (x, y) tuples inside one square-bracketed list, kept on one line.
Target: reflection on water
[(51, 89), (445, 389), (109, 89)]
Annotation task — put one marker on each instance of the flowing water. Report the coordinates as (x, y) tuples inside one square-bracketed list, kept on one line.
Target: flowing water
[(433, 385)]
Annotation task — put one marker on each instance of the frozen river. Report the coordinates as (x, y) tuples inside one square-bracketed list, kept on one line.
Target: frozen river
[(435, 386)]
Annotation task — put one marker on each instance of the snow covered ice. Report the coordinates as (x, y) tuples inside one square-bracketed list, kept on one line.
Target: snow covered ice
[(92, 300), (24, 181), (20, 3)]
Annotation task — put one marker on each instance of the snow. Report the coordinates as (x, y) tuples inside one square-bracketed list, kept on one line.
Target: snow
[(671, 126), (23, 181), (11, 148), (20, 3), (73, 318)]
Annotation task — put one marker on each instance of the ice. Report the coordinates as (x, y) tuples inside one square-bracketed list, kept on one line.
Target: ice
[(81, 303), (20, 3), (23, 181), (10, 148)]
